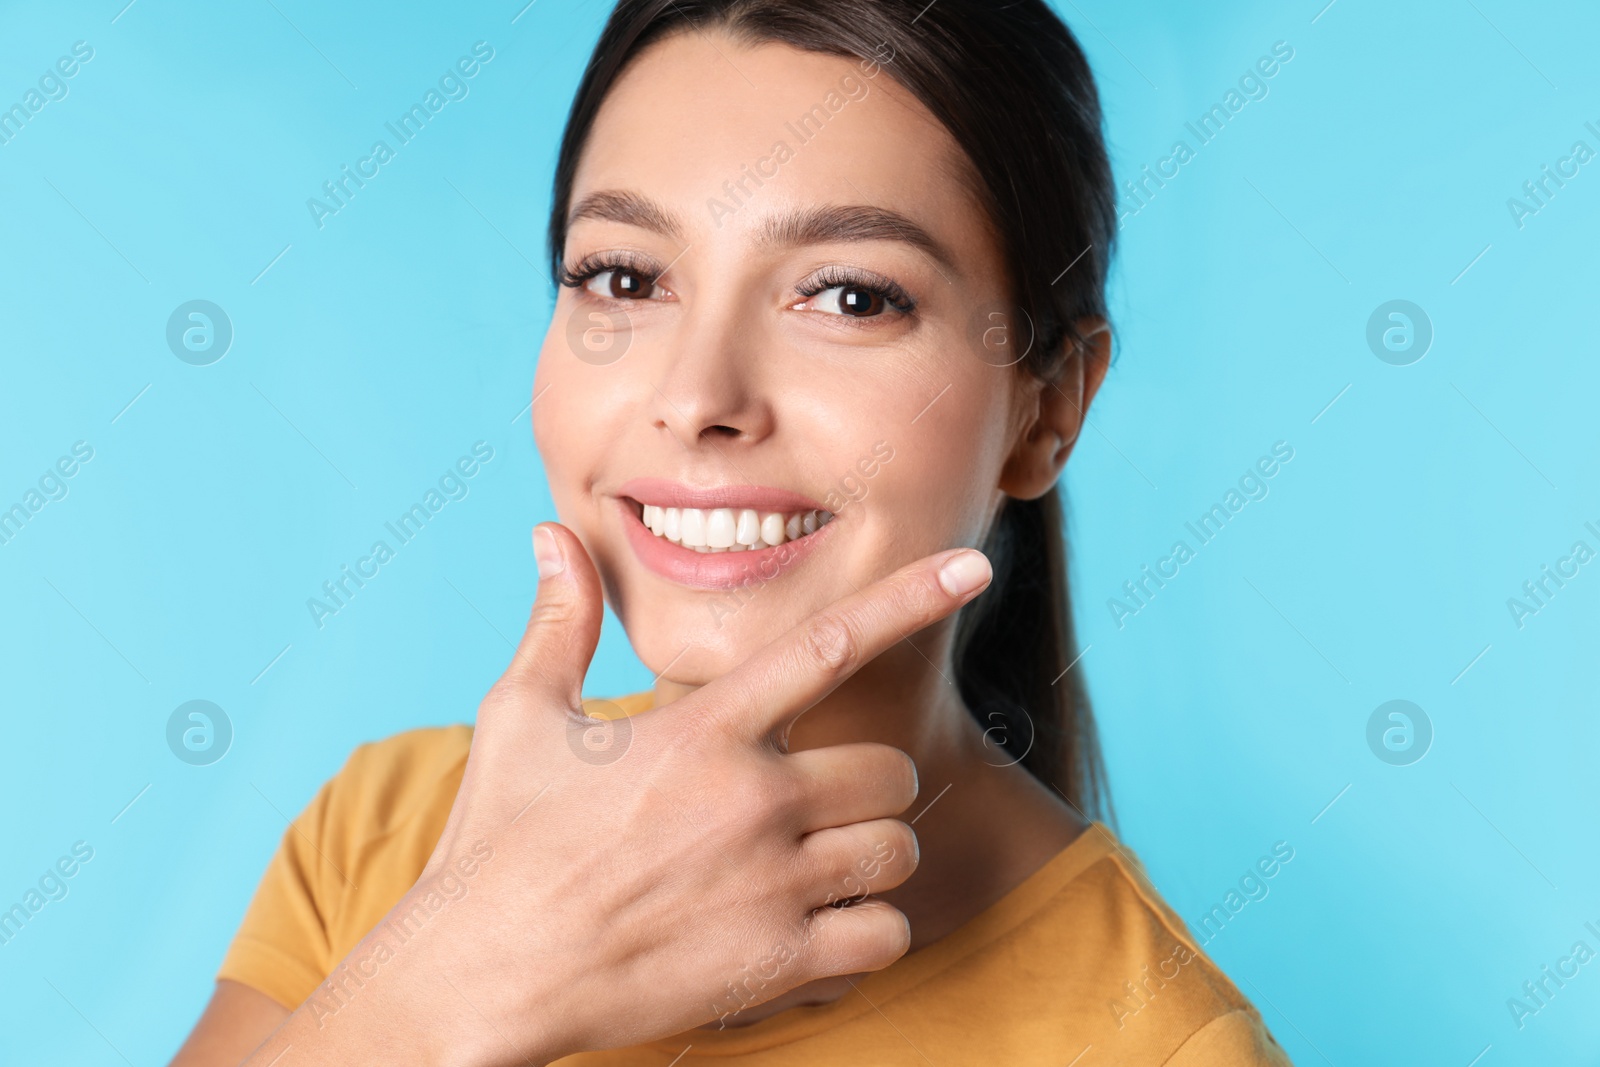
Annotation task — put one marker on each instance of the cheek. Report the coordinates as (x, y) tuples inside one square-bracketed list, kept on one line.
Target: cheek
[(568, 417), (545, 414), (920, 502), (938, 490)]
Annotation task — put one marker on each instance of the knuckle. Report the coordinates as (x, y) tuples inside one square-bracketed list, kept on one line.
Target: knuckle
[(697, 735), (913, 596), (883, 935), (860, 937), (506, 696), (786, 796), (552, 612), (818, 953), (880, 857), (896, 849), (693, 739), (759, 797), (829, 644)]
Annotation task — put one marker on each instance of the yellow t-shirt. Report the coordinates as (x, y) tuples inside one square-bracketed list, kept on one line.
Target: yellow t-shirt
[(1081, 964)]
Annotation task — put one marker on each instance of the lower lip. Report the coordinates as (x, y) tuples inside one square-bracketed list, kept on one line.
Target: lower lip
[(713, 570)]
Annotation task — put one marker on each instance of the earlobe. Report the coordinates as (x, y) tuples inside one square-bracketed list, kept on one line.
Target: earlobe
[(1056, 413)]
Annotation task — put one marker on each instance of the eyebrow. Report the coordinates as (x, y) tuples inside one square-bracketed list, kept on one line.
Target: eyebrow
[(804, 226), (631, 209), (850, 222)]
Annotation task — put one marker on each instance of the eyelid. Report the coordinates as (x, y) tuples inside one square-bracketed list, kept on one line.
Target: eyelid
[(835, 276), (577, 275)]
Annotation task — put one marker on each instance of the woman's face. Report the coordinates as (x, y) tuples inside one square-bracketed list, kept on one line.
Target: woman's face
[(786, 278)]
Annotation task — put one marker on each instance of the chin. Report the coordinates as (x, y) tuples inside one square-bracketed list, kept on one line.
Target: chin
[(694, 643)]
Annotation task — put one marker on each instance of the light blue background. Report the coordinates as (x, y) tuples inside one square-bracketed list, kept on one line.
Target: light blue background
[(378, 349)]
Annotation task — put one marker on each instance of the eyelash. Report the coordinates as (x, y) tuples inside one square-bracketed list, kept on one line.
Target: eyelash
[(588, 267), (876, 284), (833, 277)]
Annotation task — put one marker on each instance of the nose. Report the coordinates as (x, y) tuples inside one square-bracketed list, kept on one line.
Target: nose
[(709, 390)]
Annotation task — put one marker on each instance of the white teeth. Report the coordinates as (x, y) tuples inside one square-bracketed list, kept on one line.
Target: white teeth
[(719, 528), (693, 528), (748, 530), (729, 529), (772, 528)]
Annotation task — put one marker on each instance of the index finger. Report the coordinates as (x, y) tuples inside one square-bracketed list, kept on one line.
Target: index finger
[(767, 692)]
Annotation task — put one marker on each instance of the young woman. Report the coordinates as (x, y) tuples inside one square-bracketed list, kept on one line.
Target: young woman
[(831, 309)]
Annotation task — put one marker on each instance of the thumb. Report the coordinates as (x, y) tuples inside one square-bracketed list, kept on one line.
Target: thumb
[(564, 626)]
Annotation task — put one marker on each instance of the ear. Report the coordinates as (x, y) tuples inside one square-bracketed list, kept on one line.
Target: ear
[(1052, 414)]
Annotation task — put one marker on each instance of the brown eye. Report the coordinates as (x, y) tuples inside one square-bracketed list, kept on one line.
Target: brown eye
[(858, 301), (855, 298), (626, 285), (620, 283)]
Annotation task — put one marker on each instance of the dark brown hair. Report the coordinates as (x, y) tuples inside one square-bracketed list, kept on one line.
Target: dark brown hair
[(1008, 80)]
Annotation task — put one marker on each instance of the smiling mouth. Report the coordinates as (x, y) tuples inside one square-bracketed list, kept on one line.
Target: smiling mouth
[(709, 530)]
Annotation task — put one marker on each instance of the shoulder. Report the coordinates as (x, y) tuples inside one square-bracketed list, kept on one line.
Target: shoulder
[(344, 860), (353, 853), (380, 817), (370, 830), (386, 785), (1153, 991), (392, 797)]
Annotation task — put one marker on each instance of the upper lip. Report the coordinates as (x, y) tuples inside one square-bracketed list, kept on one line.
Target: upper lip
[(662, 492)]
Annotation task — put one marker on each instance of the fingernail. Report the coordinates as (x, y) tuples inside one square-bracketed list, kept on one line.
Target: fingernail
[(965, 571), (547, 553)]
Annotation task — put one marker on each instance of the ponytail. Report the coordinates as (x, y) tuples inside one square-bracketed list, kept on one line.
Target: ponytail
[(1015, 658)]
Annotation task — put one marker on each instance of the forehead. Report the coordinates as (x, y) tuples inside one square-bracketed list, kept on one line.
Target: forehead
[(699, 119)]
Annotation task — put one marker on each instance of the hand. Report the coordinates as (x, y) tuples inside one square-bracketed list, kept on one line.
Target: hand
[(613, 902)]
